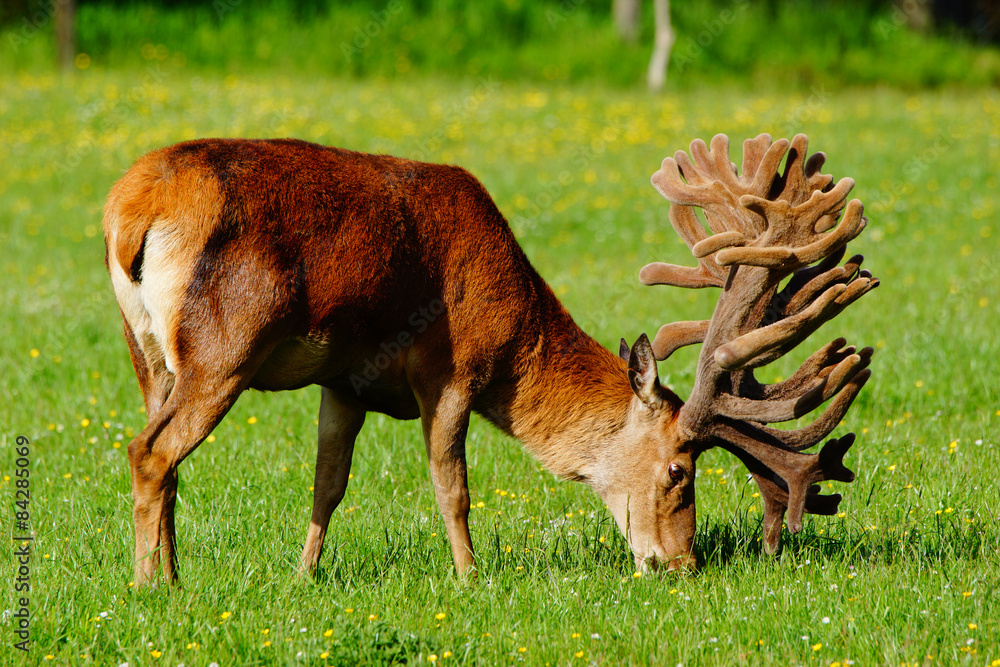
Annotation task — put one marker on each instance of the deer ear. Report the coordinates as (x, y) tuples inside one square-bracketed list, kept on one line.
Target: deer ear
[(642, 374), (623, 351)]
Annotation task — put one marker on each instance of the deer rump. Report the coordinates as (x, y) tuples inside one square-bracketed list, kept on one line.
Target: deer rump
[(345, 269)]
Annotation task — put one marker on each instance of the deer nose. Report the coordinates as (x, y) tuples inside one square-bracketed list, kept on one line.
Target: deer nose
[(686, 563), (645, 564), (679, 564)]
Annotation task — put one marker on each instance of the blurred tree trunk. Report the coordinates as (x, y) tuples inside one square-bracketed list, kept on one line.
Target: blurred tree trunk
[(919, 16), (626, 14), (663, 42), (65, 20)]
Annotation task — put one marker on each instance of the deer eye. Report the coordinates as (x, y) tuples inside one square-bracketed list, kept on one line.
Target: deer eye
[(676, 472)]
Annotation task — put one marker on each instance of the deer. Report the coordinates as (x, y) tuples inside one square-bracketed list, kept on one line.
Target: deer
[(398, 287)]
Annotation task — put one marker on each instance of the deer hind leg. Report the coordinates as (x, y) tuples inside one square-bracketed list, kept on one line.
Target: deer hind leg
[(339, 425), (445, 424), (194, 407), (151, 371)]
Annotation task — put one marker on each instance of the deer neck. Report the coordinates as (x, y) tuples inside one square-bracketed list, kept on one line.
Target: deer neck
[(569, 399)]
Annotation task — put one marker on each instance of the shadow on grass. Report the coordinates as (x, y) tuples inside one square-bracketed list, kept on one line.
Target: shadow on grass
[(719, 543), (556, 548)]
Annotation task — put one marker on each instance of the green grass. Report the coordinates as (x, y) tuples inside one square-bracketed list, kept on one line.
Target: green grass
[(801, 43), (901, 576)]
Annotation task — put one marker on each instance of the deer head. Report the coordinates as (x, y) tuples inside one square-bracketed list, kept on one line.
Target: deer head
[(646, 475), (766, 226)]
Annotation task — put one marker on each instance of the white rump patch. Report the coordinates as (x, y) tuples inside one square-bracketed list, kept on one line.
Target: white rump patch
[(152, 307)]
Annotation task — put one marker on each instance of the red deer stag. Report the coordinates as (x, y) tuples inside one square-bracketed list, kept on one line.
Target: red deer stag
[(398, 287)]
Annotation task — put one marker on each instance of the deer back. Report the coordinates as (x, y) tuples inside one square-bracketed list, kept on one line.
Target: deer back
[(347, 267)]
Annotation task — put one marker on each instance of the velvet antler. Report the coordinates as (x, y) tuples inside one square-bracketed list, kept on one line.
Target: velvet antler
[(766, 226)]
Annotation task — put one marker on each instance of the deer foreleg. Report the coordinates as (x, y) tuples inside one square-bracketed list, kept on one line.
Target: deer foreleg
[(339, 424), (445, 426)]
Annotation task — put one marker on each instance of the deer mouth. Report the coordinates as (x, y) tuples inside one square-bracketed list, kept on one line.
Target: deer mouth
[(681, 564)]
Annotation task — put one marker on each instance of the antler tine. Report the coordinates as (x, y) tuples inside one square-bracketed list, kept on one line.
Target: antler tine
[(802, 175), (760, 172), (706, 274), (775, 503), (794, 472), (807, 325), (754, 151), (802, 292), (750, 350), (765, 227), (675, 335), (820, 365), (778, 408), (687, 225), (804, 438)]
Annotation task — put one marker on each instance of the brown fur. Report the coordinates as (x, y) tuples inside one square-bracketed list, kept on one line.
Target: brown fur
[(398, 287), (162, 188)]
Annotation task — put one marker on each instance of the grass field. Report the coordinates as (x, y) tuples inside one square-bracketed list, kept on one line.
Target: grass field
[(907, 575)]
